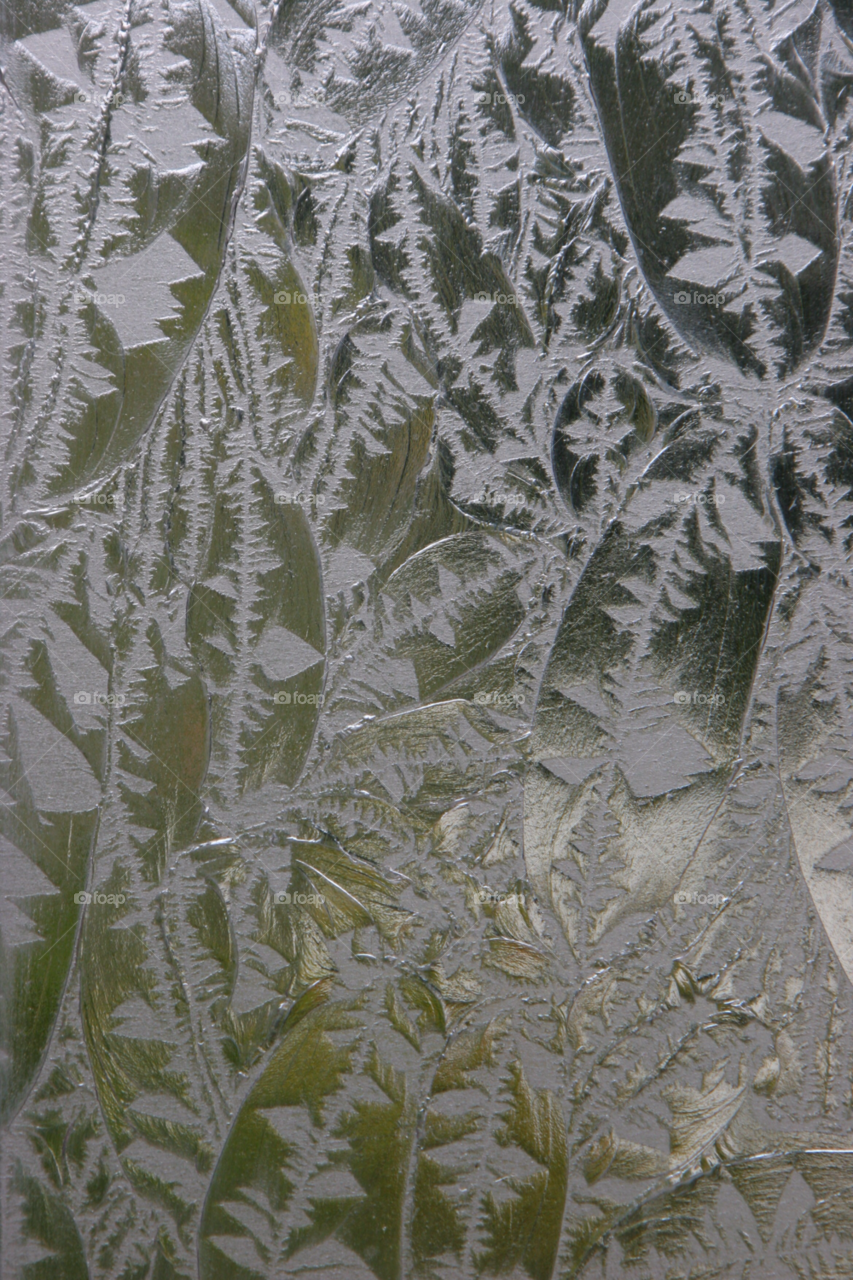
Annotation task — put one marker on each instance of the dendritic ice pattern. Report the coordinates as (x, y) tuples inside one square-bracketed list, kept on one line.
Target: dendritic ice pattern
[(426, 658)]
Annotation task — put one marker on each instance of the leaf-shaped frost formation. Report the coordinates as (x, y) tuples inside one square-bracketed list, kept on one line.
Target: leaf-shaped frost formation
[(49, 1223), (133, 290), (267, 722), (723, 170), (254, 1168), (524, 1230), (46, 859)]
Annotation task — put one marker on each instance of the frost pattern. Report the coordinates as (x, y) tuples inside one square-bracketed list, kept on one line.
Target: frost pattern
[(426, 684)]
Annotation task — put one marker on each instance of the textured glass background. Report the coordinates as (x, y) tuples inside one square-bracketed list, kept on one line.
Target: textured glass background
[(426, 645)]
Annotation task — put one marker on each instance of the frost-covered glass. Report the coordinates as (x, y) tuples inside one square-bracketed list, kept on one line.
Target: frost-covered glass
[(427, 640)]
